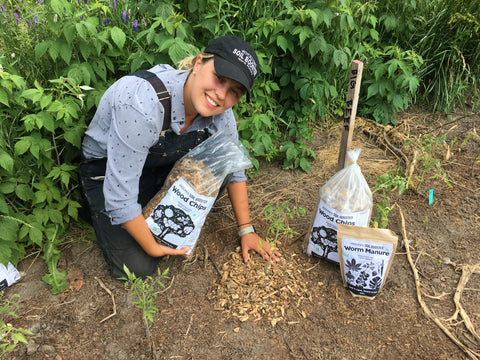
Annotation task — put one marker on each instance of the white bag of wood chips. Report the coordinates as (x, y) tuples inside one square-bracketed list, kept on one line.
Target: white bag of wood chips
[(176, 214), (366, 255), (344, 199)]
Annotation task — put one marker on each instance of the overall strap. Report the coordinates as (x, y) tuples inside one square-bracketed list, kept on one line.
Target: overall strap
[(162, 94)]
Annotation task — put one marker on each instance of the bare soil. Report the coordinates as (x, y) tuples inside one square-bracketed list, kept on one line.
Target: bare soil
[(215, 307)]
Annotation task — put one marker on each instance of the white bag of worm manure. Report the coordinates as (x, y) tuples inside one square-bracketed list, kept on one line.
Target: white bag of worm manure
[(366, 255), (176, 214), (344, 199)]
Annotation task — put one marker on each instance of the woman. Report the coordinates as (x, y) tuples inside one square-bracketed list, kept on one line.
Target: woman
[(127, 156)]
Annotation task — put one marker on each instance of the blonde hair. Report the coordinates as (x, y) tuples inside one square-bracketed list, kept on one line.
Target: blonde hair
[(188, 62)]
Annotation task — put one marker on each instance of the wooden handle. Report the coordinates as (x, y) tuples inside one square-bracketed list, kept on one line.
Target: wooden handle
[(353, 92)]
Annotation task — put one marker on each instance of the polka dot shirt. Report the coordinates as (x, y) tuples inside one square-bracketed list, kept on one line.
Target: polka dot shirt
[(128, 121)]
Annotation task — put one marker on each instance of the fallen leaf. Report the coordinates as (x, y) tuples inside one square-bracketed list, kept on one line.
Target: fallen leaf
[(75, 279)]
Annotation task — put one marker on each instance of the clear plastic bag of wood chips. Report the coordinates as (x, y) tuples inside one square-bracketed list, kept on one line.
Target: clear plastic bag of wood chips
[(344, 199), (176, 214)]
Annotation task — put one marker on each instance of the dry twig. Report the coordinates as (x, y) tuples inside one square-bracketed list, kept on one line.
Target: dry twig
[(113, 299)]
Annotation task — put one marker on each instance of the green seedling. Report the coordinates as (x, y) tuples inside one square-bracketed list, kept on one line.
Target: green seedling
[(10, 336), (431, 165), (278, 215), (386, 184), (145, 293)]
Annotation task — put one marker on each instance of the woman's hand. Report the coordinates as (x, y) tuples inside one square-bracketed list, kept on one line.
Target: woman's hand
[(252, 241), (140, 231)]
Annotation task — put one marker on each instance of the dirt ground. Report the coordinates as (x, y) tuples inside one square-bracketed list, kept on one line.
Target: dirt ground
[(215, 307)]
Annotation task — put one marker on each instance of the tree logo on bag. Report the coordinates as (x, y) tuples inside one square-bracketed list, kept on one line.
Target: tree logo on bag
[(172, 220), (326, 238)]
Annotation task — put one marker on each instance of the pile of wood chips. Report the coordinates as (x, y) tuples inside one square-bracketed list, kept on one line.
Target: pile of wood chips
[(245, 292)]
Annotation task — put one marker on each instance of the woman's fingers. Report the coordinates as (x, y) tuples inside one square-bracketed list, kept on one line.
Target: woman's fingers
[(254, 242)]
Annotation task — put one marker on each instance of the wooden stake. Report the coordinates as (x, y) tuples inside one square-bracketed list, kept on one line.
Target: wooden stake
[(353, 91)]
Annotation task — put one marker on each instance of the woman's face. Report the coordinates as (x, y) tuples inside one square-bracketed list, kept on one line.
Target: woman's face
[(210, 93)]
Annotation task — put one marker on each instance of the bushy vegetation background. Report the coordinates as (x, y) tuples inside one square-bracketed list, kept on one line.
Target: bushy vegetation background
[(57, 57)]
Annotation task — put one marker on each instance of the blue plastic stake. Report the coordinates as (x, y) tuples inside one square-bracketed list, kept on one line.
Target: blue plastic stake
[(430, 197)]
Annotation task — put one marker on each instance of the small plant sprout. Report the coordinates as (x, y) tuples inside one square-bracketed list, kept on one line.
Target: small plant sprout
[(386, 184), (10, 336), (145, 293), (279, 228)]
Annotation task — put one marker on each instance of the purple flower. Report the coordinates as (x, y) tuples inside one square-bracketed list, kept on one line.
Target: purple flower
[(35, 37), (124, 16), (105, 22), (16, 17), (40, 2), (3, 8), (135, 25), (114, 4), (35, 18), (85, 1)]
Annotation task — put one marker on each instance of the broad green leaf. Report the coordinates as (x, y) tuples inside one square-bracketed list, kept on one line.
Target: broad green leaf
[(4, 97), (69, 31), (19, 337), (24, 192), (46, 100), (5, 250), (32, 94), (305, 165), (4, 207), (372, 90), (85, 49), (282, 42), (100, 68), (392, 67), (6, 161), (118, 37), (7, 187), (65, 52), (22, 146), (55, 215), (41, 48), (54, 50), (57, 6), (35, 235), (340, 58), (81, 30), (56, 279), (9, 229)]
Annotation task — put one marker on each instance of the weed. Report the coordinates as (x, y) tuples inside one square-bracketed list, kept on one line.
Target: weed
[(145, 293), (278, 228), (386, 184), (10, 336), (430, 165)]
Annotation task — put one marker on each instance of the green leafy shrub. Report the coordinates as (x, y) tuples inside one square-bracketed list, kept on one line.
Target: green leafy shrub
[(390, 82)]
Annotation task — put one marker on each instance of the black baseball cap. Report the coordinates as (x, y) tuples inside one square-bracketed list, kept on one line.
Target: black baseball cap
[(235, 59)]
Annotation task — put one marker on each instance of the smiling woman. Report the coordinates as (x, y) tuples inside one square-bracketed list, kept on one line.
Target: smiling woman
[(139, 131)]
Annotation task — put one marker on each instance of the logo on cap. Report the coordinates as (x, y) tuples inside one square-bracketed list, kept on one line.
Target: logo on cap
[(244, 57)]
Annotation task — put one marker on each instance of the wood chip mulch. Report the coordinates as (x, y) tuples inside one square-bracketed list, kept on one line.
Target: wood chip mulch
[(246, 292)]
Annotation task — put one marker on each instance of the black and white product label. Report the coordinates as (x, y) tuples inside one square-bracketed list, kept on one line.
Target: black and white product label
[(178, 219), (323, 237), (3, 284), (364, 265)]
